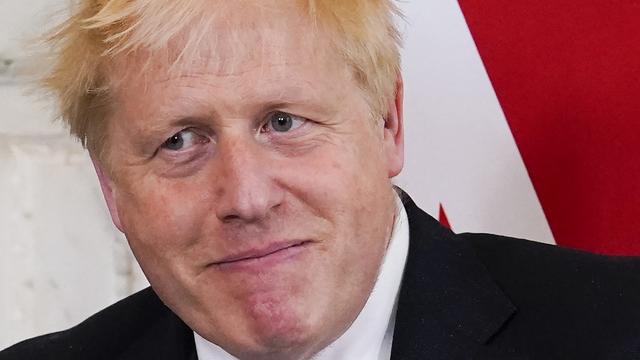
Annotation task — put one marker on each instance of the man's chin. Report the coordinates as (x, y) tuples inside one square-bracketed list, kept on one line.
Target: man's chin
[(273, 327), (276, 320)]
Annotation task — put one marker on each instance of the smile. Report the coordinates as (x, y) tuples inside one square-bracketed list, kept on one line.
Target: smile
[(263, 258)]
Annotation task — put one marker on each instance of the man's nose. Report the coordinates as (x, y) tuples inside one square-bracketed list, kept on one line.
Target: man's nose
[(245, 188)]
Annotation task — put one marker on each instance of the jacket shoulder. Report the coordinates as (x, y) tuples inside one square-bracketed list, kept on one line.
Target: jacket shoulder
[(564, 294), (102, 336), (513, 260)]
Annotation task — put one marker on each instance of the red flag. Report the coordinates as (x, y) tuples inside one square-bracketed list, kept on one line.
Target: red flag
[(567, 75)]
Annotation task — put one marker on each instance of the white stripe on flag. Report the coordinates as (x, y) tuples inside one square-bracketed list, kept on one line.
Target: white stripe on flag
[(460, 151)]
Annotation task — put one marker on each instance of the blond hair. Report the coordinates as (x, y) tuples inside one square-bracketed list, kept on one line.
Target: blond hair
[(85, 46)]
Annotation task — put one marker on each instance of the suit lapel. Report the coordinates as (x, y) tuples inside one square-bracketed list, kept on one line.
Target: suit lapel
[(449, 305)]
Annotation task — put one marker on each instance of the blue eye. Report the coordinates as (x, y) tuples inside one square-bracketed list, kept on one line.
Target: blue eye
[(283, 122), (182, 140)]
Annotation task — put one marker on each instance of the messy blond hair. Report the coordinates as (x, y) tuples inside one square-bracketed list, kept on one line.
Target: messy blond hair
[(98, 31)]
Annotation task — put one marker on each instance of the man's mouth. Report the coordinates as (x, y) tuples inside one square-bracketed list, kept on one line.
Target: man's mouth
[(263, 257)]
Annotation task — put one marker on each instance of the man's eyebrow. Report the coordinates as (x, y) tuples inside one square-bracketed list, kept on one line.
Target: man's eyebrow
[(298, 96), (256, 102), (188, 110)]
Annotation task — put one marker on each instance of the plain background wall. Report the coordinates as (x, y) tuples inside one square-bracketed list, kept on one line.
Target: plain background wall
[(61, 259)]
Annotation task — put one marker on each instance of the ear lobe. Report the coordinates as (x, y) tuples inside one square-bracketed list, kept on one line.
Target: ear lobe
[(394, 132), (107, 191)]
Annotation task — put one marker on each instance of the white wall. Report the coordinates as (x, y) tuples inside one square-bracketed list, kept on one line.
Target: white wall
[(60, 257)]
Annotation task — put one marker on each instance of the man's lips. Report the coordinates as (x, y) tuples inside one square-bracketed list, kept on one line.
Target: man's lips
[(275, 251)]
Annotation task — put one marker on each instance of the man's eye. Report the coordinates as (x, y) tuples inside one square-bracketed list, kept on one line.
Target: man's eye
[(183, 140), (283, 122)]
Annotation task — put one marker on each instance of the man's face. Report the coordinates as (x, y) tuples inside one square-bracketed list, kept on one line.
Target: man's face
[(253, 185)]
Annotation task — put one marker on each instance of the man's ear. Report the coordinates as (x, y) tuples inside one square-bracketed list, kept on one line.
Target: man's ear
[(394, 132), (107, 191)]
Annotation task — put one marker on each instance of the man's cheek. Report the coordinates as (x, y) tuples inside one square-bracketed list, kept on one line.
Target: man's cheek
[(157, 223)]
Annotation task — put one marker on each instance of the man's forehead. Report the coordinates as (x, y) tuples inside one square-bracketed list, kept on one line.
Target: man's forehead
[(234, 40), (234, 70)]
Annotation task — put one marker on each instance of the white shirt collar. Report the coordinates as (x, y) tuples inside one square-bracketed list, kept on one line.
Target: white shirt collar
[(371, 335)]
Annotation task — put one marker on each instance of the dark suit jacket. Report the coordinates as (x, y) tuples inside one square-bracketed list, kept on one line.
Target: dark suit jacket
[(468, 296)]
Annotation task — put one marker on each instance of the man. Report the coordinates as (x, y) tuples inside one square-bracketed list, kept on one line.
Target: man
[(246, 149)]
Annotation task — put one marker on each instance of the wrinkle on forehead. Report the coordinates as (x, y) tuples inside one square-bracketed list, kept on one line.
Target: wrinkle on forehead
[(231, 42)]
